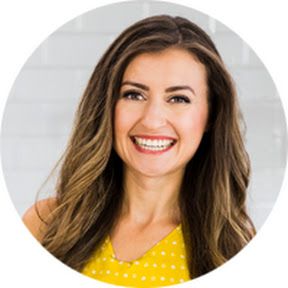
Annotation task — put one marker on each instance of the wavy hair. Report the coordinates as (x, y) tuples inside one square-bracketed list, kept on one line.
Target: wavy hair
[(89, 190)]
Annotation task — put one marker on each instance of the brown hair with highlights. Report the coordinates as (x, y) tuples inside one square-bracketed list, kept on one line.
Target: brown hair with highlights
[(89, 191)]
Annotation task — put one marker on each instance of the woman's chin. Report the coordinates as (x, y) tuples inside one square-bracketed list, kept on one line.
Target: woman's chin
[(154, 172)]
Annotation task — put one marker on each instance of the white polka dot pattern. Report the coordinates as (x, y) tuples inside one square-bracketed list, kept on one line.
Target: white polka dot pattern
[(164, 264)]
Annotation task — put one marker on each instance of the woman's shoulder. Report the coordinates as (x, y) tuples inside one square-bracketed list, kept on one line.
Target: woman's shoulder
[(36, 216)]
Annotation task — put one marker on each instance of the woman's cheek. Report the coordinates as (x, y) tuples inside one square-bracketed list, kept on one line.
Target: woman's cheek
[(126, 116)]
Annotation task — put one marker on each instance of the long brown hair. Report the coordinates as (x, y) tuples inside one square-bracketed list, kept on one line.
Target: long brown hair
[(213, 193)]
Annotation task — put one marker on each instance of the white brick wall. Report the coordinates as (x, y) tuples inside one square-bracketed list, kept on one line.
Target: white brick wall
[(41, 105)]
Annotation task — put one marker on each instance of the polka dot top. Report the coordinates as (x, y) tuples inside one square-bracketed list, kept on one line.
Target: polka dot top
[(164, 264)]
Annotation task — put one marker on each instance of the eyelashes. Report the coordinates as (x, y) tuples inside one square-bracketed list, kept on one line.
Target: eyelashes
[(133, 95), (180, 99), (137, 96)]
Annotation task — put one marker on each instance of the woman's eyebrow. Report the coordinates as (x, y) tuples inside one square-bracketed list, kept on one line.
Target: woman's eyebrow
[(169, 89), (138, 85), (176, 88)]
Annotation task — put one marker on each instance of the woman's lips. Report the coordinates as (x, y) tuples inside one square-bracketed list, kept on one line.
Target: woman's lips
[(155, 137), (153, 144)]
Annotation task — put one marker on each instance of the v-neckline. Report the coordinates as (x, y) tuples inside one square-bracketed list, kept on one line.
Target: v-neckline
[(113, 254)]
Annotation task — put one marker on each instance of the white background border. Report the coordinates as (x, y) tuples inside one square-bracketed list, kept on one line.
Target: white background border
[(25, 24)]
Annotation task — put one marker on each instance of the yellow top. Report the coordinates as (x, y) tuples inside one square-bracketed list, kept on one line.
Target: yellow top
[(164, 264)]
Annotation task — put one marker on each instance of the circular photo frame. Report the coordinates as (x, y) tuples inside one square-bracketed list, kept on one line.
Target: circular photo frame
[(39, 113)]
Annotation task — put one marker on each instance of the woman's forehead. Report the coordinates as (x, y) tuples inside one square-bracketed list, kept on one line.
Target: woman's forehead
[(171, 66)]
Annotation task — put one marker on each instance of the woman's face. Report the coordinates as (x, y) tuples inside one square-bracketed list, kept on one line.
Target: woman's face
[(161, 113)]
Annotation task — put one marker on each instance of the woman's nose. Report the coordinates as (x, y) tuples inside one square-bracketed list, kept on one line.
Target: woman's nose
[(154, 115)]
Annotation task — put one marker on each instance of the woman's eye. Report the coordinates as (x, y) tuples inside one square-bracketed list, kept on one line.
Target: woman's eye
[(132, 95), (180, 99)]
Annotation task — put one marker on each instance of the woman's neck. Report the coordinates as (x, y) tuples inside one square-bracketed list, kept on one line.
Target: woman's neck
[(150, 200)]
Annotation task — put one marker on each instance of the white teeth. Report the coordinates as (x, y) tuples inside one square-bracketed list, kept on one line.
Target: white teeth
[(153, 145)]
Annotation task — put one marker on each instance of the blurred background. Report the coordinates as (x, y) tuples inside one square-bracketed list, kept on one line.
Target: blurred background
[(40, 108)]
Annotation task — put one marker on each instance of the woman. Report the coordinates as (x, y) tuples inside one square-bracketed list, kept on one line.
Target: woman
[(153, 183)]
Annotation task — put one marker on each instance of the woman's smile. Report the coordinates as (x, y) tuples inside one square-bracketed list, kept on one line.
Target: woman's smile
[(153, 144)]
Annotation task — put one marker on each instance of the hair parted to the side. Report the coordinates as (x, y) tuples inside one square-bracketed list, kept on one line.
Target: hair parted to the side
[(213, 193)]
